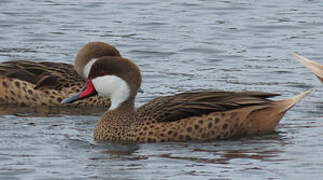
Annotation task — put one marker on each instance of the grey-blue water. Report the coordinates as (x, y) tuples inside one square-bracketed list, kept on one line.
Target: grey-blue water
[(179, 45)]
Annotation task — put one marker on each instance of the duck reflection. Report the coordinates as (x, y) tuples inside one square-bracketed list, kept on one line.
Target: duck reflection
[(262, 148)]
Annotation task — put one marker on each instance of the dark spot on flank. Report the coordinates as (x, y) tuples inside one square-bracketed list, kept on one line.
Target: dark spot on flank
[(4, 84), (150, 133), (210, 125), (201, 121), (17, 84), (22, 104), (196, 126), (12, 92), (189, 129), (222, 114), (145, 128), (225, 126), (30, 92), (216, 120), (169, 132), (24, 89), (59, 99)]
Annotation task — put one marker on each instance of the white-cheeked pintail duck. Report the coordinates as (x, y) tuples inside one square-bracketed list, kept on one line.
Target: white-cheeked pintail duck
[(27, 83), (196, 116)]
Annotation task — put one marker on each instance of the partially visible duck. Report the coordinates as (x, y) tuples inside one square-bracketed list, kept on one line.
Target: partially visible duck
[(198, 116), (315, 67), (27, 83)]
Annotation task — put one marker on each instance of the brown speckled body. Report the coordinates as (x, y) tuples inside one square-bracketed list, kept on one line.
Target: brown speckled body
[(146, 124)]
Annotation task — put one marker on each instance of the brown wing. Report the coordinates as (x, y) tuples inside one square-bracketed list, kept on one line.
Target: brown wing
[(42, 74), (179, 106)]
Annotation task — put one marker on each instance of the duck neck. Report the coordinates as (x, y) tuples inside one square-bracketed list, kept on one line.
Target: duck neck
[(115, 124), (127, 106), (124, 114)]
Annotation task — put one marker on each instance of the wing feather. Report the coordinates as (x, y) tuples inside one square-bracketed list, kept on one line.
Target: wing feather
[(41, 74), (179, 106)]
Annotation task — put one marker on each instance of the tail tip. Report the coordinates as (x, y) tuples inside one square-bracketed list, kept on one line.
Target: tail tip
[(309, 91), (302, 95), (289, 103)]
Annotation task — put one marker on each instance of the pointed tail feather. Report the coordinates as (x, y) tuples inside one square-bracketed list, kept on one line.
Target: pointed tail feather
[(286, 104), (315, 67)]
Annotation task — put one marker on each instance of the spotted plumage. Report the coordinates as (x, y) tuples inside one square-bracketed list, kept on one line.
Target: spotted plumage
[(190, 116)]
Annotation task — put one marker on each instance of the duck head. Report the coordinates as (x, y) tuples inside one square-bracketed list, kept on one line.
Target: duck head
[(114, 77), (90, 53)]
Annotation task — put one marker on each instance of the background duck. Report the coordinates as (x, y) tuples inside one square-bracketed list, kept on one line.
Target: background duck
[(27, 83), (199, 116)]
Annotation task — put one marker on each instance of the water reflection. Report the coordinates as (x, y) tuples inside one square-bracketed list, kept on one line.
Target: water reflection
[(264, 148), (227, 156), (147, 161), (122, 149)]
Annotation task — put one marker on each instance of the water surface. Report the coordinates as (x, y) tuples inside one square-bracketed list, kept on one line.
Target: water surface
[(201, 44)]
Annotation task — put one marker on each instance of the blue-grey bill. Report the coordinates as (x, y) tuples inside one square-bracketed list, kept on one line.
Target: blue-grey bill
[(70, 99)]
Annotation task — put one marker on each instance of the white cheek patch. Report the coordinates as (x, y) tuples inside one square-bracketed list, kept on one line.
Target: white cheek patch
[(87, 68), (113, 87)]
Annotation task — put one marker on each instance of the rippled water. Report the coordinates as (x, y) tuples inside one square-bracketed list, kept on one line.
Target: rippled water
[(201, 44)]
